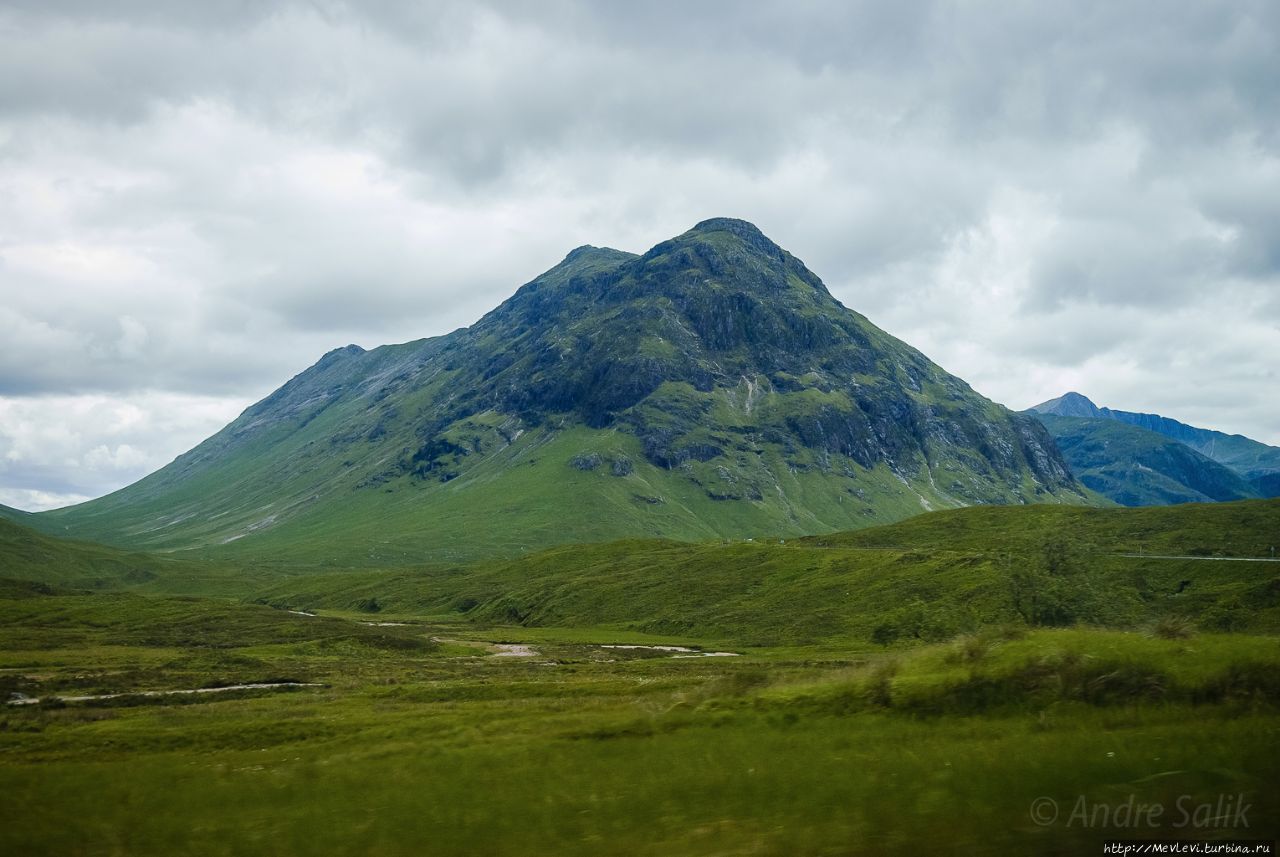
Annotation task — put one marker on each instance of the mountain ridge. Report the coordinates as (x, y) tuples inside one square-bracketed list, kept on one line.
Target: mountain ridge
[(1137, 467), (1256, 462), (12, 514)]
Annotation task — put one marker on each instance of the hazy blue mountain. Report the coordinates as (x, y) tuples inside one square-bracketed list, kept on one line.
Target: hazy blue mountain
[(1137, 467), (1255, 462)]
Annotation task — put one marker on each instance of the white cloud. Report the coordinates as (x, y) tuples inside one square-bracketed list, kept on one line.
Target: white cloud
[(56, 450)]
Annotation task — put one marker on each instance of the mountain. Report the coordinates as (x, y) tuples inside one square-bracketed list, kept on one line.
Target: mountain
[(1071, 405), (1257, 463), (1267, 484), (1137, 467), (12, 514), (710, 387)]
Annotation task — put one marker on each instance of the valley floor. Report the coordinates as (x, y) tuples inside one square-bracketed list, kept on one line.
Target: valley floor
[(414, 735)]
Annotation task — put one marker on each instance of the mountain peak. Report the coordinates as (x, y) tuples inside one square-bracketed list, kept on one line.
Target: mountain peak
[(339, 354), (582, 261), (744, 231), (1069, 405), (590, 256), (737, 226), (729, 255), (590, 251)]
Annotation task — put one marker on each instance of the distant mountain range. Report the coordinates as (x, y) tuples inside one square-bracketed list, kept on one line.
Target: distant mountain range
[(710, 387), (1147, 459)]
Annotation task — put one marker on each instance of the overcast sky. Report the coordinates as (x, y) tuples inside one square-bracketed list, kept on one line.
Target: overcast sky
[(199, 199)]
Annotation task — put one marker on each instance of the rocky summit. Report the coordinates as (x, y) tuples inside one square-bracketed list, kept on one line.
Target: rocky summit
[(711, 387)]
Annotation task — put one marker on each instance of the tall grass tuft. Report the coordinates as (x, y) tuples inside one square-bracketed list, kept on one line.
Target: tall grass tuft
[(1174, 628)]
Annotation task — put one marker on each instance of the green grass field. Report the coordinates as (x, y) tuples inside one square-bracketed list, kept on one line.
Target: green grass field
[(412, 747), (405, 725), (923, 580)]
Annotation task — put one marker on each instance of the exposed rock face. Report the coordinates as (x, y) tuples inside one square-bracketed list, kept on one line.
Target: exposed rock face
[(656, 343)]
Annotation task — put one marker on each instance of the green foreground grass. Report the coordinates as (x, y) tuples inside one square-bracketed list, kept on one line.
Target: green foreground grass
[(418, 741), (895, 691)]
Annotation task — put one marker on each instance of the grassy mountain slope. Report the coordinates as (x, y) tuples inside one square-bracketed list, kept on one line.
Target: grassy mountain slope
[(1245, 529), (28, 555), (1257, 463), (926, 578), (711, 387), (1246, 456), (12, 514), (1137, 467)]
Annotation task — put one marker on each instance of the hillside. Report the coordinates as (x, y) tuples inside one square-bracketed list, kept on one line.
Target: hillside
[(1255, 462), (1137, 467), (29, 555), (711, 387), (928, 578), (1245, 529), (12, 514)]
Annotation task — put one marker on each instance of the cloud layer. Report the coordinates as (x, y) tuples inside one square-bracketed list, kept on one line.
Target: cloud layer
[(197, 200)]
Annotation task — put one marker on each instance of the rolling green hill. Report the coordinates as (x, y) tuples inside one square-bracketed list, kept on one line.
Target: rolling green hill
[(29, 555), (1246, 529), (1256, 463), (13, 514), (1137, 467), (711, 387), (927, 578), (26, 554)]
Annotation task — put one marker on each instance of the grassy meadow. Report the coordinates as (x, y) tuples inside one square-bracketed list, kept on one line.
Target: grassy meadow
[(414, 714)]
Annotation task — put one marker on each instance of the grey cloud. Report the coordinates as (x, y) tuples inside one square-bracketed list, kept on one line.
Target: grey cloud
[(52, 478), (215, 14), (205, 197), (1121, 263), (1251, 211), (61, 449), (472, 91)]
